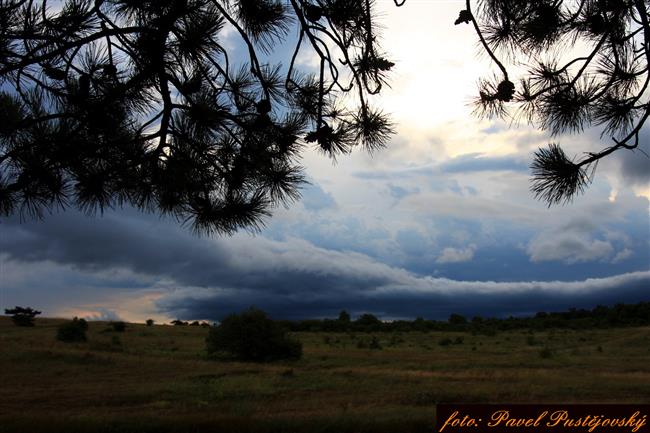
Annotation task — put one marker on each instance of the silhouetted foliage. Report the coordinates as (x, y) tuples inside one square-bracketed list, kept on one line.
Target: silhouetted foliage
[(178, 322), (117, 102), (344, 317), (368, 323), (22, 316), (72, 331), (620, 315), (252, 336), (149, 322), (457, 319), (118, 326), (604, 86)]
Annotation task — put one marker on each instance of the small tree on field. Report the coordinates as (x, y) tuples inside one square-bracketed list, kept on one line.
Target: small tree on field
[(252, 336), (150, 322), (22, 316), (72, 331)]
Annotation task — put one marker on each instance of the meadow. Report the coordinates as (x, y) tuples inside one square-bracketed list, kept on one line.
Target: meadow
[(159, 378)]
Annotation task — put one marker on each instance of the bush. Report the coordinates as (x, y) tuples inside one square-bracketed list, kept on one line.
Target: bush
[(118, 326), (23, 316), (374, 344), (445, 342), (72, 331), (252, 336), (149, 322)]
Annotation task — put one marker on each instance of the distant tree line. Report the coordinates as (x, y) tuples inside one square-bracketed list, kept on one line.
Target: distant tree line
[(620, 315), (179, 322)]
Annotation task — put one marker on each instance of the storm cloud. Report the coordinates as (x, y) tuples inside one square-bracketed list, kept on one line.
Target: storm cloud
[(209, 278)]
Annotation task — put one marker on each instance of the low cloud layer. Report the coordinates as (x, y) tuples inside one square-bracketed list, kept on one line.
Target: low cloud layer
[(410, 296), (207, 279)]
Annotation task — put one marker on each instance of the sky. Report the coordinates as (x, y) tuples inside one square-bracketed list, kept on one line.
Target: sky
[(441, 221)]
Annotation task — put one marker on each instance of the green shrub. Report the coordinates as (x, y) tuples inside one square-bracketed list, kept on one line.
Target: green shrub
[(252, 336), (445, 342), (118, 326), (72, 331)]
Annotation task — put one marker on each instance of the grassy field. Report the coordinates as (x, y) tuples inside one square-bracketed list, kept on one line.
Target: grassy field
[(158, 379)]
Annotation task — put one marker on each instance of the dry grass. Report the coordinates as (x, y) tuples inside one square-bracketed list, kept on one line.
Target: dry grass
[(159, 379)]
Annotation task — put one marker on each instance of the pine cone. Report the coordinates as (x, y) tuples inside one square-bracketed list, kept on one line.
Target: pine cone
[(464, 16)]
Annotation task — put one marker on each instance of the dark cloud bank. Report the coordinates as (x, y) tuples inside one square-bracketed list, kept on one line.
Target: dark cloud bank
[(290, 279)]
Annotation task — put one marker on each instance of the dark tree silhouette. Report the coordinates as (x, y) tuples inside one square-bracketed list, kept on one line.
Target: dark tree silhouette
[(113, 102), (605, 85), (22, 316)]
